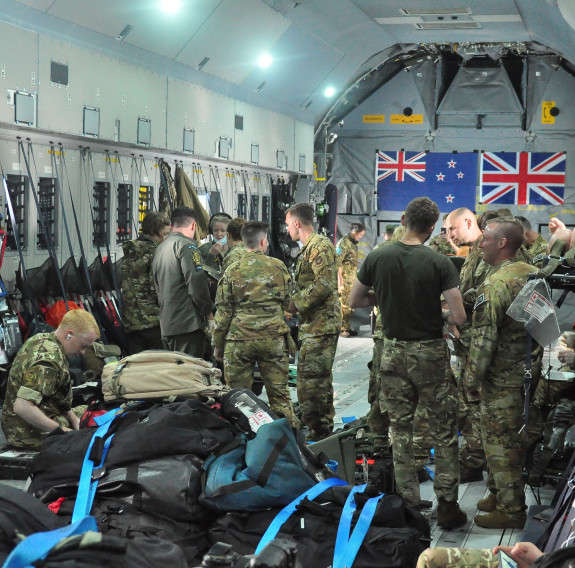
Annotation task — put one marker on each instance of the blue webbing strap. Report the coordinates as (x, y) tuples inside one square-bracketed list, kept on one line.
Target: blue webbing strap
[(36, 546), (89, 478), (288, 510), (346, 546)]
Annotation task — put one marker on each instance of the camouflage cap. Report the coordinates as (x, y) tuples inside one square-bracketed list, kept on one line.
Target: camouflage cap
[(391, 227)]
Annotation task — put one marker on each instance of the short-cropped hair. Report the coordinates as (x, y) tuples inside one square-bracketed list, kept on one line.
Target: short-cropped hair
[(80, 322), (525, 223), (153, 223), (357, 227), (253, 232), (235, 228), (511, 229), (303, 212), (182, 216), (421, 214)]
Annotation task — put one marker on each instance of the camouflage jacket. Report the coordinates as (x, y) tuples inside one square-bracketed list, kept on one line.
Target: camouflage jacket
[(139, 300), (233, 255), (214, 262), (498, 342), (39, 374), (181, 285), (539, 247), (252, 296), (442, 246), (316, 288), (347, 256)]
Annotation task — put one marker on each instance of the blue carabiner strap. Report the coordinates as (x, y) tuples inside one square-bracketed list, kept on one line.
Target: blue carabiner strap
[(288, 510), (346, 546), (88, 479), (36, 546)]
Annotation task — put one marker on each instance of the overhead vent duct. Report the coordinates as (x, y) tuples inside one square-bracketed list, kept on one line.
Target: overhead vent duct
[(453, 25), (480, 97), (435, 11)]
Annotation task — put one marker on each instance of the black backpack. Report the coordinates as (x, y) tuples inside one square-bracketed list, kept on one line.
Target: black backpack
[(97, 550), (21, 514)]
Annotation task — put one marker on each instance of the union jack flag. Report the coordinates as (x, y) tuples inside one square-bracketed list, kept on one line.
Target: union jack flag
[(396, 163), (522, 178)]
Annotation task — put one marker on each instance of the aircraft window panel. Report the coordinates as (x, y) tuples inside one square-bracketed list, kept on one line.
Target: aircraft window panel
[(91, 122), (25, 109), (189, 140), (302, 162), (144, 131), (255, 159)]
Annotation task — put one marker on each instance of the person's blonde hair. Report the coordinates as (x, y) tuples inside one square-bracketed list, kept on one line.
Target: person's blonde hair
[(80, 321)]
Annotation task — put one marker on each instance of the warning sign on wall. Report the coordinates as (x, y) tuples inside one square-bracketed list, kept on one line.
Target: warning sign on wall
[(546, 117)]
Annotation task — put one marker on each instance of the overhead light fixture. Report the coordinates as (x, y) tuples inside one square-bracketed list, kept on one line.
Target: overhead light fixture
[(171, 6), (265, 60), (260, 86), (329, 92)]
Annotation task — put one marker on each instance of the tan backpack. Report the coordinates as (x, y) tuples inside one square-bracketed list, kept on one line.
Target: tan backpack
[(160, 374)]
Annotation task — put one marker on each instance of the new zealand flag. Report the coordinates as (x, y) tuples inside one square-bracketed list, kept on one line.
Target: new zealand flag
[(523, 178), (449, 179)]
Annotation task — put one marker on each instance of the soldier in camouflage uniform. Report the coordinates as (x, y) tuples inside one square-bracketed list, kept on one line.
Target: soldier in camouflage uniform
[(463, 229), (182, 287), (407, 280), (496, 361), (316, 301), (533, 241), (347, 255), (249, 321), (141, 312), (442, 243), (236, 248), (39, 390), (524, 553), (213, 251)]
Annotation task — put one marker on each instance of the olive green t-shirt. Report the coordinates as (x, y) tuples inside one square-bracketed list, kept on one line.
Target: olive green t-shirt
[(408, 281)]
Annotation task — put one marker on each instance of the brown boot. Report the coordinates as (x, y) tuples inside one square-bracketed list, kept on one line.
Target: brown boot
[(499, 520), (489, 504), (449, 515)]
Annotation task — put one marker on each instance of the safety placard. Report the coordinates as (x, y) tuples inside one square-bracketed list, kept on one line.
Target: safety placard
[(403, 119), (546, 116), (374, 118)]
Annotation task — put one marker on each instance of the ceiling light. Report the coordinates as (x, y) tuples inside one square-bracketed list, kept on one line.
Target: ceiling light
[(265, 60), (329, 92), (171, 6)]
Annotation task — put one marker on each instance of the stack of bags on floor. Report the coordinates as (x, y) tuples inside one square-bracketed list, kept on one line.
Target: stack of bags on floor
[(181, 476)]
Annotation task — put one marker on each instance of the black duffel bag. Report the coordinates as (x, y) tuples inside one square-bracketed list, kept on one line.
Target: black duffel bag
[(179, 428)]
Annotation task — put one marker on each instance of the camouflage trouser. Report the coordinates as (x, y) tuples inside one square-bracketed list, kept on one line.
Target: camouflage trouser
[(457, 558), (346, 311), (472, 454), (501, 420), (315, 384), (377, 419), (271, 355), (413, 372)]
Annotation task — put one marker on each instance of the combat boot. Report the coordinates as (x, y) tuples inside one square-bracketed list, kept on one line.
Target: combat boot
[(489, 504), (449, 515), (499, 520), (469, 475)]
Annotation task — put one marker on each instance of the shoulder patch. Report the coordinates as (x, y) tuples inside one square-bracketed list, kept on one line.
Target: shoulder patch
[(539, 257), (193, 247), (338, 250), (480, 299)]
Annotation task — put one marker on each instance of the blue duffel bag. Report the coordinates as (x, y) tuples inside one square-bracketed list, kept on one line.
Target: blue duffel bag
[(263, 472)]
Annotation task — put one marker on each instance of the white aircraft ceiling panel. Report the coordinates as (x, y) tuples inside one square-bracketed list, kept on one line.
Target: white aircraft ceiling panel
[(152, 29), (302, 64), (234, 37), (37, 4)]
